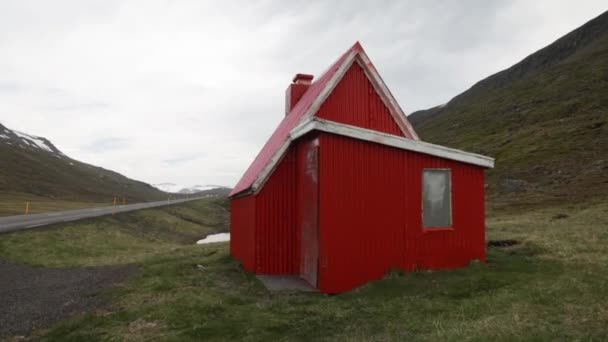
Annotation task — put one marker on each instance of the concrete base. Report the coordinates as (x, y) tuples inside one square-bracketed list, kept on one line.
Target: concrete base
[(285, 283)]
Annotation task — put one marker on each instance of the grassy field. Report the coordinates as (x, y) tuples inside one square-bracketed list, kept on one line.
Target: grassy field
[(122, 238), (551, 286), (14, 204)]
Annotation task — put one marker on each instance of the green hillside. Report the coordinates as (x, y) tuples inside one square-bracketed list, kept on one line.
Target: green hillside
[(32, 167), (122, 238), (545, 120)]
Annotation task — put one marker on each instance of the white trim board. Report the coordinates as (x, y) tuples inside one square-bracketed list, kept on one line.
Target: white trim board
[(387, 97), (391, 140), (356, 55), (359, 56), (268, 169), (259, 182)]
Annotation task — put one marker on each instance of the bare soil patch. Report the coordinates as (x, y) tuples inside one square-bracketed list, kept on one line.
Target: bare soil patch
[(35, 297)]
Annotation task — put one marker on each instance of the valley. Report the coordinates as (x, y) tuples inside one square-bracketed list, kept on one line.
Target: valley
[(140, 275), (36, 177)]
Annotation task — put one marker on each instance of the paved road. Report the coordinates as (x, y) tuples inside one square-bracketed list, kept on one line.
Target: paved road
[(19, 222)]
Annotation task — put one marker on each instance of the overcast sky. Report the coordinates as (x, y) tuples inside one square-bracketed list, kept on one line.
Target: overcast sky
[(188, 91)]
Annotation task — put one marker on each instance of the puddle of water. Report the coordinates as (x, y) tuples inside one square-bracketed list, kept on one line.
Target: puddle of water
[(221, 237)]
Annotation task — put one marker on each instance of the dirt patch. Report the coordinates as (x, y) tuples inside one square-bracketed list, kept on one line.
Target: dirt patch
[(35, 297), (502, 243), (560, 216)]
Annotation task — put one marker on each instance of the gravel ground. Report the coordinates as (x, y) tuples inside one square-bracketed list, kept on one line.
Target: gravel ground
[(32, 297)]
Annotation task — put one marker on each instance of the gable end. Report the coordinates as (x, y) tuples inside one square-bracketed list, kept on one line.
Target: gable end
[(355, 101)]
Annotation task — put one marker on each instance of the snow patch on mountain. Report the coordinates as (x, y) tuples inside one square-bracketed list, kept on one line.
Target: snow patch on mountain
[(24, 140), (181, 189), (168, 187), (33, 141)]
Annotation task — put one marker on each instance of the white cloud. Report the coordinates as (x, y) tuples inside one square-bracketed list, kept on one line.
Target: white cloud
[(202, 83)]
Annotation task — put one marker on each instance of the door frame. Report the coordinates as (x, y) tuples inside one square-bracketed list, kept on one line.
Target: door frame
[(309, 238)]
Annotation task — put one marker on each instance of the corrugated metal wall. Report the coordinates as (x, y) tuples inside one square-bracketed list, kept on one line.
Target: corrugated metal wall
[(355, 102), (370, 213), (277, 242), (242, 231), (370, 204)]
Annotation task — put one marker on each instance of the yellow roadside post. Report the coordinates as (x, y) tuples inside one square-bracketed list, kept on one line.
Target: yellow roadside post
[(27, 207)]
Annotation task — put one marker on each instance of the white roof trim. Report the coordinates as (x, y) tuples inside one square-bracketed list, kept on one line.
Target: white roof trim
[(387, 97), (258, 183), (269, 168), (380, 87), (391, 140), (329, 86)]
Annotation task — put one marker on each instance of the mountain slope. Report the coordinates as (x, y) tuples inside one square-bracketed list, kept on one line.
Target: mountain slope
[(33, 165), (545, 120), (196, 189)]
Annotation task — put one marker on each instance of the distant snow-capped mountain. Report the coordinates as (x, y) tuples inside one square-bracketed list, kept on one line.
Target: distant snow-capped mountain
[(168, 187), (180, 189), (32, 164)]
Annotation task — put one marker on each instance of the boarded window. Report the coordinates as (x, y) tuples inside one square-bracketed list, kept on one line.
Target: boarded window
[(436, 198)]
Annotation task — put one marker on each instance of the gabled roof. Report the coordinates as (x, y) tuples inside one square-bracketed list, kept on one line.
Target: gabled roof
[(306, 108)]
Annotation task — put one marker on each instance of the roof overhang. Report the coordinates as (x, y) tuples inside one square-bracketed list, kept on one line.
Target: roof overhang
[(316, 124), (358, 133)]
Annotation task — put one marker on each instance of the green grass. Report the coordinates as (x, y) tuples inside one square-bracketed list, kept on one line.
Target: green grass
[(15, 204), (552, 286), (122, 238)]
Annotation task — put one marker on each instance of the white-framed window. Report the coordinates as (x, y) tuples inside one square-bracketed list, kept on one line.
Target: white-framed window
[(436, 198)]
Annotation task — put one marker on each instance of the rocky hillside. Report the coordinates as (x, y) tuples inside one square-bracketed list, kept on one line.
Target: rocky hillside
[(33, 165), (545, 120)]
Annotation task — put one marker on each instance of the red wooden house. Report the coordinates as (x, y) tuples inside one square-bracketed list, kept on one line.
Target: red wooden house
[(344, 190)]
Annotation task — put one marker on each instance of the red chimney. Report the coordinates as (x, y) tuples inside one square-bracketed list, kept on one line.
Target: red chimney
[(296, 90)]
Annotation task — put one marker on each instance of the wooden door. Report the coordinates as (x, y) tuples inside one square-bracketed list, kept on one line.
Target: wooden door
[(309, 262)]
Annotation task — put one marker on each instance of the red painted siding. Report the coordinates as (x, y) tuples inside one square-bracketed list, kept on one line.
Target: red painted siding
[(370, 213), (276, 241), (242, 231), (288, 123), (354, 101)]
